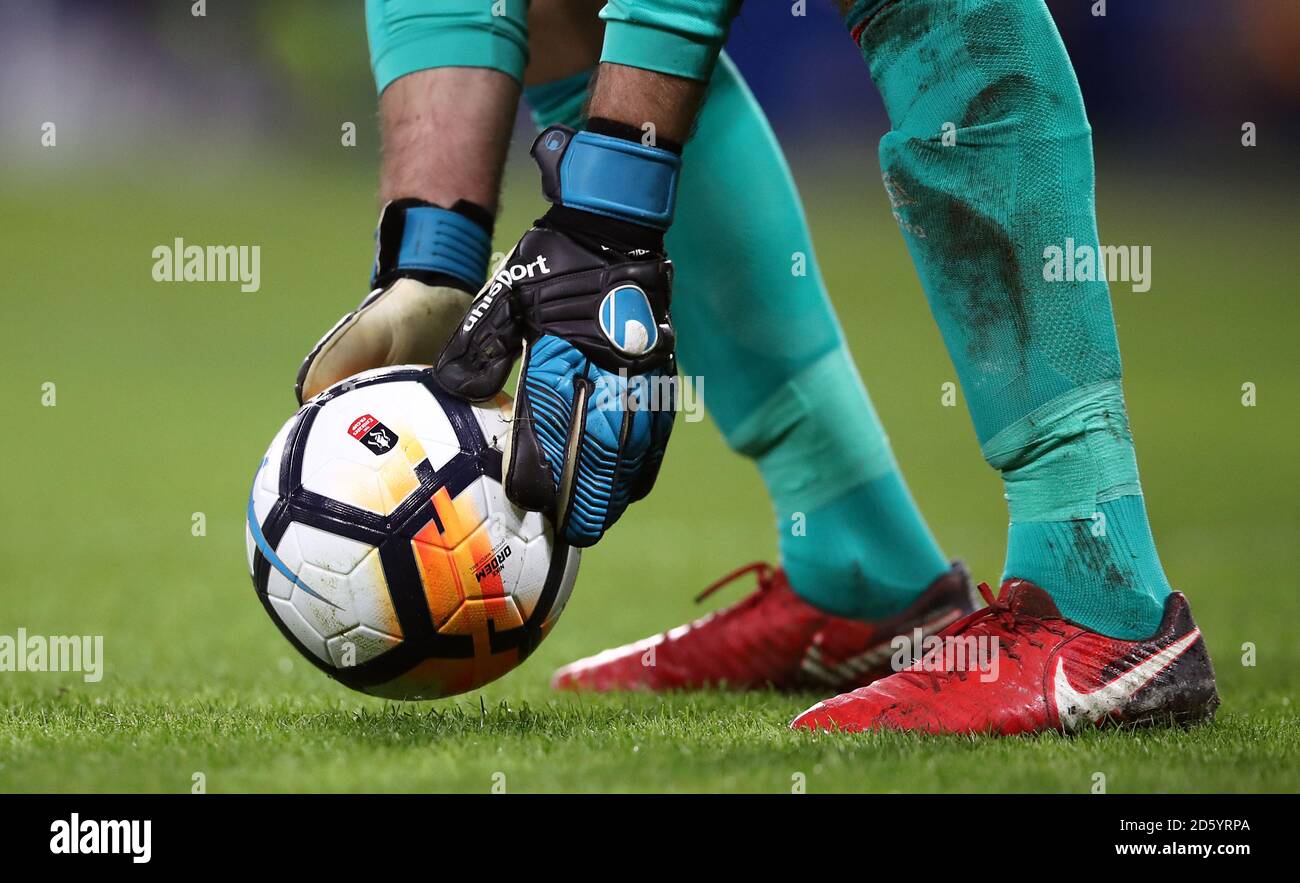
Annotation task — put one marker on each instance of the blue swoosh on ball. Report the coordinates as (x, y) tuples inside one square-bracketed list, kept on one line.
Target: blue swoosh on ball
[(260, 539)]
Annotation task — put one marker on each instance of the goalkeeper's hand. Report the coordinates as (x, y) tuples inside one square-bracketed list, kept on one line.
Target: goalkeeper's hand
[(428, 263), (584, 299)]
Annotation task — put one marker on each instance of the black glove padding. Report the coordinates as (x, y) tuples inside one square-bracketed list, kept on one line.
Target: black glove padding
[(586, 299)]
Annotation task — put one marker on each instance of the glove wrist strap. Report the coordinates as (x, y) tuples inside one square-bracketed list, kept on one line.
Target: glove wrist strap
[(417, 237), (608, 176)]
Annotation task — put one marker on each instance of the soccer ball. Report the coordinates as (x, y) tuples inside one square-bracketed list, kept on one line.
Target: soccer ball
[(383, 546)]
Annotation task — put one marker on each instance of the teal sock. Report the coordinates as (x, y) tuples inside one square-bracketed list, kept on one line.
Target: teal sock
[(989, 163), (852, 540), (1091, 561), (864, 574), (754, 321)]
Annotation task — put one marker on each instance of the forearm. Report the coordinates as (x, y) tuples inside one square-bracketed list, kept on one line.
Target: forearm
[(448, 73), (445, 135), (658, 55), (660, 107)]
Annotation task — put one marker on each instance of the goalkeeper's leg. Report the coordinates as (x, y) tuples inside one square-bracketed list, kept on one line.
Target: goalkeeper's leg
[(777, 376), (989, 163), (782, 386)]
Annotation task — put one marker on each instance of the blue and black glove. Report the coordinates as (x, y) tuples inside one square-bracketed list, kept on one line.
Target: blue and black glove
[(584, 296)]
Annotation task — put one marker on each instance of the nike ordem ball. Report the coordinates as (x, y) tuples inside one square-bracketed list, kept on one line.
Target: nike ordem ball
[(383, 546)]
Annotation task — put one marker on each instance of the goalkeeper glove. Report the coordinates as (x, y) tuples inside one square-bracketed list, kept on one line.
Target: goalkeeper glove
[(584, 298), (428, 263)]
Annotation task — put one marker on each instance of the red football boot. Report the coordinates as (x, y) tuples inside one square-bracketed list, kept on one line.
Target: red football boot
[(1017, 666), (770, 638)]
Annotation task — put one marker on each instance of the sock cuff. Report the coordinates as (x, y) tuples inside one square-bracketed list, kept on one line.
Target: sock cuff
[(1065, 458), (996, 69), (858, 16), (817, 437)]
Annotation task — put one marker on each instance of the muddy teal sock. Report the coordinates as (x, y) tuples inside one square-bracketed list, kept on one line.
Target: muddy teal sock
[(1109, 555), (988, 164), (1078, 524), (753, 320)]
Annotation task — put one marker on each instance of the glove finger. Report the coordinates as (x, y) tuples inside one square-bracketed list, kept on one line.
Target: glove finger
[(643, 482), (406, 323), (596, 497), (617, 444), (662, 411), (477, 360), (635, 447), (546, 427)]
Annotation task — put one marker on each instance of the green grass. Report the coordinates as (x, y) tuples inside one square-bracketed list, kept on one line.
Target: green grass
[(168, 394)]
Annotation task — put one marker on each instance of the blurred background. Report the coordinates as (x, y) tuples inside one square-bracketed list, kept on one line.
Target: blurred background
[(256, 76), (226, 128)]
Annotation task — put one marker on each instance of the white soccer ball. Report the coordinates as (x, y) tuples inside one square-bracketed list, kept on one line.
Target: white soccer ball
[(381, 543)]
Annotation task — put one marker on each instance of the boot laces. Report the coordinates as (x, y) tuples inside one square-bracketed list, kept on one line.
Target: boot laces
[(742, 610), (765, 573), (1011, 621)]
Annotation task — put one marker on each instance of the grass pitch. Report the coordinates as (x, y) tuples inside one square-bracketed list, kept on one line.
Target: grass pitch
[(166, 396)]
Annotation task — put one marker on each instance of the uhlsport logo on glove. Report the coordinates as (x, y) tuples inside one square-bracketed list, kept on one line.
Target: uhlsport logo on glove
[(505, 277), (628, 322)]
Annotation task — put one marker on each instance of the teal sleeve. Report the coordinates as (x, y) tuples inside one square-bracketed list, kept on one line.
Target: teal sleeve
[(411, 35), (678, 37)]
